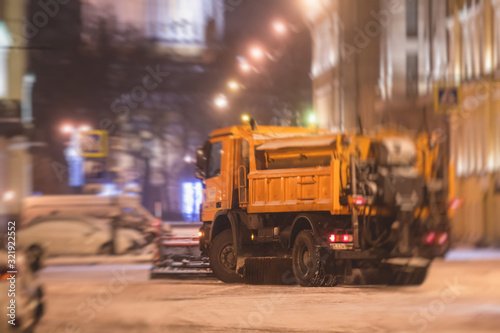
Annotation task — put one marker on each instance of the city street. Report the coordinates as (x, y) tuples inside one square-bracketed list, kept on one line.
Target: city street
[(460, 295), (304, 143)]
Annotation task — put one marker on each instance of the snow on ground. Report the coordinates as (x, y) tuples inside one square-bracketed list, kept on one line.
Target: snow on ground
[(457, 297), (473, 254)]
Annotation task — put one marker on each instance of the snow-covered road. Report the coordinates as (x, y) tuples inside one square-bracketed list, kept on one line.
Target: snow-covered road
[(458, 296)]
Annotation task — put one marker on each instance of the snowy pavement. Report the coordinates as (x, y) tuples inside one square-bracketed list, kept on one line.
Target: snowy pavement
[(460, 295), (147, 257)]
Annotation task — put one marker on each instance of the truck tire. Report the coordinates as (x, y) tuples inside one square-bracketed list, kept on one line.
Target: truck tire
[(223, 258), (405, 277), (307, 266)]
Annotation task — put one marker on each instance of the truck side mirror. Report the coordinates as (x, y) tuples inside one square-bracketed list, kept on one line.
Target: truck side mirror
[(201, 161), (199, 174)]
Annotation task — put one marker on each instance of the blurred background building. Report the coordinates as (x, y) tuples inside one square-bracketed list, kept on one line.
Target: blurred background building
[(381, 61), (186, 29), (152, 74), (159, 54), (16, 177)]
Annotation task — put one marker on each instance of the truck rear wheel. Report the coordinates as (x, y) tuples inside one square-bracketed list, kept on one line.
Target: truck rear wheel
[(223, 258), (407, 276), (307, 266)]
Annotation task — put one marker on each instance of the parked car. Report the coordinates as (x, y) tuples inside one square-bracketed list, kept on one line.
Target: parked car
[(129, 209), (51, 236), (29, 306)]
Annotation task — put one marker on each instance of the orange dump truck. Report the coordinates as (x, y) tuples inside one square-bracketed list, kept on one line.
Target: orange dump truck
[(308, 206)]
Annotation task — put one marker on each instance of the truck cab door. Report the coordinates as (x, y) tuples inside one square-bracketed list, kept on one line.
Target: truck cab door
[(219, 177)]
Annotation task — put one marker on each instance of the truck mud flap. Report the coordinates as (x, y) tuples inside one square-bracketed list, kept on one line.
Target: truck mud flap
[(268, 271)]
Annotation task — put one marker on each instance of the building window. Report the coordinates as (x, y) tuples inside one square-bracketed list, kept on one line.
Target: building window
[(412, 18), (412, 75)]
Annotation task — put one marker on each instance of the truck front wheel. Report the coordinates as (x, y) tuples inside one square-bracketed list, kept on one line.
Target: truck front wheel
[(223, 258), (307, 265)]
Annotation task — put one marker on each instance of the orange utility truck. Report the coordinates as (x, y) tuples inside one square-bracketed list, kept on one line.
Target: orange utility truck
[(308, 206)]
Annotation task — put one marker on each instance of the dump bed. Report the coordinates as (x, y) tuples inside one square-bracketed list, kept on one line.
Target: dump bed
[(300, 174)]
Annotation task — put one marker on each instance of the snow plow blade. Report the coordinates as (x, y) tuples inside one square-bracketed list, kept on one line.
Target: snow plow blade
[(179, 256)]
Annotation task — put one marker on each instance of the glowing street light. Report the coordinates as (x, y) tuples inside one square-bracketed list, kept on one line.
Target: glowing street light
[(234, 85), (312, 3), (67, 129), (221, 101), (245, 66), (257, 53), (312, 119), (9, 196), (70, 129), (188, 159), (280, 27), (84, 128), (245, 118)]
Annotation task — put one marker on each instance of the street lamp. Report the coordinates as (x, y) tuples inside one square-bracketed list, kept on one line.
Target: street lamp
[(67, 129), (312, 119), (70, 129), (245, 66), (84, 128), (221, 101), (280, 27), (233, 85), (9, 196), (257, 53)]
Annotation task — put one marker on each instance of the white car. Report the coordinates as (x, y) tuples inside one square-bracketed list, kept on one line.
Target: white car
[(29, 305), (74, 236)]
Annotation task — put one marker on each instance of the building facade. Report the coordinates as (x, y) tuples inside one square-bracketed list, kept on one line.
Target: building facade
[(382, 60), (473, 28), (15, 111), (186, 28), (154, 145)]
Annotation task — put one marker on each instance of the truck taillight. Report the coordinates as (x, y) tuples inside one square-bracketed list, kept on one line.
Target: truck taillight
[(456, 203), (442, 239), (346, 238), (359, 201), (434, 238), (430, 238)]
